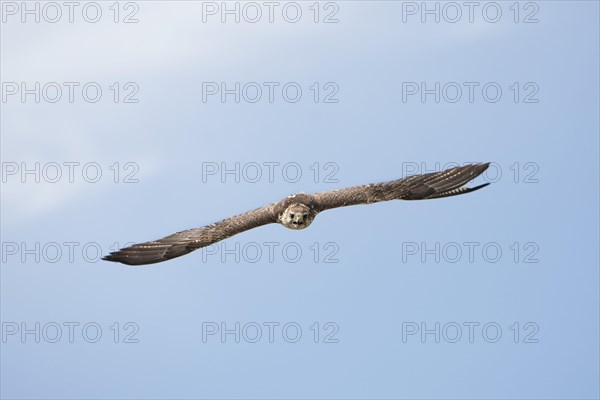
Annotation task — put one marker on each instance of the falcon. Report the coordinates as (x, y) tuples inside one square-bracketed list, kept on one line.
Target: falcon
[(299, 210)]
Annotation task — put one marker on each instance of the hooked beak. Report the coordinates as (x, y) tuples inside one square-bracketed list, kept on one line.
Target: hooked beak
[(298, 222)]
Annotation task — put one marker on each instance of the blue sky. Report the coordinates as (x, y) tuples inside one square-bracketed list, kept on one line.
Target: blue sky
[(516, 262)]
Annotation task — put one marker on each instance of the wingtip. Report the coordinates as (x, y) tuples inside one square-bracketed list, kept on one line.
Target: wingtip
[(483, 166), (110, 257), (127, 259), (479, 187), (479, 168), (116, 258)]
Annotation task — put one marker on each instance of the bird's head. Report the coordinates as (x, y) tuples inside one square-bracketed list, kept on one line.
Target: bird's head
[(297, 216)]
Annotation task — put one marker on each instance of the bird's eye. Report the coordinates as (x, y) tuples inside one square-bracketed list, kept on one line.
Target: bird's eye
[(304, 216), (291, 215)]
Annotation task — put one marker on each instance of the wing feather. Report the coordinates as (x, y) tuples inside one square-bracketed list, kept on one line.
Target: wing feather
[(446, 183), (184, 242)]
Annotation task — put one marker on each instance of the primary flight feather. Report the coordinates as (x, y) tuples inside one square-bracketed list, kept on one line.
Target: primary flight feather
[(299, 210)]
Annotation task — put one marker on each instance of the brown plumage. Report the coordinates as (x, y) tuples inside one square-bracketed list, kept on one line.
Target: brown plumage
[(299, 210)]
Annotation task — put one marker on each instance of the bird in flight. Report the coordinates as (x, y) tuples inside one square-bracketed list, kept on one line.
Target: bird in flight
[(299, 210)]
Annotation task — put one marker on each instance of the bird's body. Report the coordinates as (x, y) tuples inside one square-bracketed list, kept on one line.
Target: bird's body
[(298, 212)]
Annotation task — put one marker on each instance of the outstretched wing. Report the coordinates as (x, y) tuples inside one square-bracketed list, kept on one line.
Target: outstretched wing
[(417, 187), (184, 242)]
